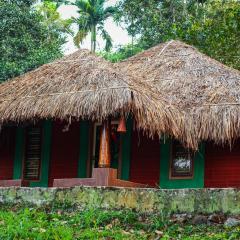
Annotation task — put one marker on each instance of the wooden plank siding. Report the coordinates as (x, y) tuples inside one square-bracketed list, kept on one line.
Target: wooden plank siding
[(145, 160), (64, 152), (7, 149), (222, 166)]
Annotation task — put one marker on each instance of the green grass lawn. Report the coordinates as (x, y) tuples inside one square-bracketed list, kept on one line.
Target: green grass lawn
[(100, 224)]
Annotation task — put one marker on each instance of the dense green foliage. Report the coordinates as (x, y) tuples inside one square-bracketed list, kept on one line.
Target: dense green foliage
[(100, 224), (92, 15), (26, 41), (213, 26), (51, 19), (122, 53)]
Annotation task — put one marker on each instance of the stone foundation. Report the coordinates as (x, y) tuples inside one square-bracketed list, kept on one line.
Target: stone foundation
[(204, 201)]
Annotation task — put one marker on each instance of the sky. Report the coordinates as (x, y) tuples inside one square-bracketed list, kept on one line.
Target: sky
[(118, 34)]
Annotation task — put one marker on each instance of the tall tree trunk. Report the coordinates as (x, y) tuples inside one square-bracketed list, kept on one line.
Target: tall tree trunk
[(93, 38), (92, 33)]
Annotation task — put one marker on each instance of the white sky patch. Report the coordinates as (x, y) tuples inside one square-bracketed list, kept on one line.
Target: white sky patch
[(118, 34)]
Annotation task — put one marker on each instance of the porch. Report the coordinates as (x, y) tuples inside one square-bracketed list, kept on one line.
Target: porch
[(54, 153), (58, 154)]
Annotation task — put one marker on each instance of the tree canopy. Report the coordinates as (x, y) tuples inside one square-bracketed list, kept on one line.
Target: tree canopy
[(211, 26), (32, 32), (26, 42)]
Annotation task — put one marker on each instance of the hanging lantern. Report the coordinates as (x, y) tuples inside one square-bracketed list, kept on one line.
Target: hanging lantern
[(122, 125)]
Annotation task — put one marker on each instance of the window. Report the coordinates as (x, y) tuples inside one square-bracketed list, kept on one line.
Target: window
[(32, 159), (181, 161)]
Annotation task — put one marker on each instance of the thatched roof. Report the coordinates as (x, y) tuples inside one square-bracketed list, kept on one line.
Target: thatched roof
[(84, 86), (206, 91)]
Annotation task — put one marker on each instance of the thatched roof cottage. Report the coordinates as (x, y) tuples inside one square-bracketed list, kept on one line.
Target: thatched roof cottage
[(207, 93), (51, 120), (63, 124)]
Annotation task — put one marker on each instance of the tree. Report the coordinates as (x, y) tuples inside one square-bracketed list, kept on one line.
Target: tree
[(123, 52), (218, 33), (91, 20), (51, 17), (57, 3), (213, 26), (25, 41)]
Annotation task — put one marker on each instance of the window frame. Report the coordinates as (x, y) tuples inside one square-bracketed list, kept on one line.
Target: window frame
[(38, 178), (172, 154)]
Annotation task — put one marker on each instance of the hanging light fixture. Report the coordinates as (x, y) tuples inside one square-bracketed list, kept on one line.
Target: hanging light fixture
[(122, 125)]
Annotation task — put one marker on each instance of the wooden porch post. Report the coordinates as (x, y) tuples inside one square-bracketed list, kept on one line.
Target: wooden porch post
[(104, 153)]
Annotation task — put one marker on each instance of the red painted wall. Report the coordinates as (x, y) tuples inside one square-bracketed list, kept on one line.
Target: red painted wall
[(145, 160), (65, 151), (7, 150), (222, 166)]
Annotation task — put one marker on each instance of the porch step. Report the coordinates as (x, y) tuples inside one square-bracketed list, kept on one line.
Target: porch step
[(13, 183), (100, 177)]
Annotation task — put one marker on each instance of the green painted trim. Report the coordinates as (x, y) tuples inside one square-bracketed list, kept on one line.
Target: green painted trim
[(84, 149), (46, 154), (126, 150), (19, 151), (198, 174)]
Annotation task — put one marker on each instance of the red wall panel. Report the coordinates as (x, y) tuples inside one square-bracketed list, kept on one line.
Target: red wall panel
[(145, 160), (222, 166), (7, 150), (65, 151)]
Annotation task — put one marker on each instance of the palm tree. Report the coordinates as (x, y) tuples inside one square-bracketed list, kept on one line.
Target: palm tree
[(51, 18), (91, 20), (57, 3)]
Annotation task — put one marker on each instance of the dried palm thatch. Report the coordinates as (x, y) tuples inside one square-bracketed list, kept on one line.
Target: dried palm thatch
[(206, 91), (84, 86)]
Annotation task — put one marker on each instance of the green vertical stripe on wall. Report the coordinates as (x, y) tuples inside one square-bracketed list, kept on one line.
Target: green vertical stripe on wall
[(126, 150), (84, 149), (198, 175), (19, 151), (45, 155)]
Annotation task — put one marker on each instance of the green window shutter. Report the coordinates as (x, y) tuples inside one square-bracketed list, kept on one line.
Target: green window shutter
[(198, 173), (84, 149), (32, 156), (45, 155), (126, 150), (19, 151)]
